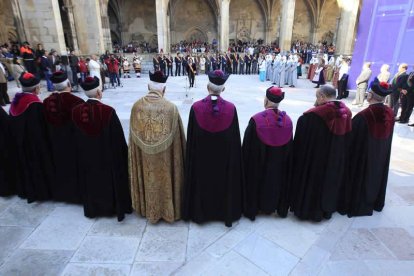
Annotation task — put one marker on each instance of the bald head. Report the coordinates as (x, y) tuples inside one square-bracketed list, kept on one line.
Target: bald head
[(328, 91), (325, 94)]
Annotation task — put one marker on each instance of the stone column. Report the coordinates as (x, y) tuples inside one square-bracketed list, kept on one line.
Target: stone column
[(105, 25), (286, 24), (315, 31), (42, 23), (269, 32), (18, 20), (69, 10), (163, 27), (346, 30), (87, 15), (224, 22)]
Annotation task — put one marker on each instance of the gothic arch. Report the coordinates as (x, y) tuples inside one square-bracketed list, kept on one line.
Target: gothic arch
[(193, 16), (318, 13), (115, 22), (196, 33)]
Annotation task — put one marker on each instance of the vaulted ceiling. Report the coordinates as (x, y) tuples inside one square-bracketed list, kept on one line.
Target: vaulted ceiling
[(315, 8)]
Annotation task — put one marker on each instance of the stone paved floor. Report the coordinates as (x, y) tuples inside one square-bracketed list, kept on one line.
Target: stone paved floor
[(56, 239)]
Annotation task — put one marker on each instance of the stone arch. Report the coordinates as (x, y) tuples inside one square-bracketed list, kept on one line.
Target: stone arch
[(132, 22), (195, 33), (323, 15), (115, 36), (114, 21), (193, 16)]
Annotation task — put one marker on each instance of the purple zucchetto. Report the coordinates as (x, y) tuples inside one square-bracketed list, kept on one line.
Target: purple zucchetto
[(217, 77), (275, 94), (158, 76)]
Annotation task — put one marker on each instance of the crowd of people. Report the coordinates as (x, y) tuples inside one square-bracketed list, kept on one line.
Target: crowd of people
[(195, 64), (43, 63), (280, 69), (65, 149), (139, 48), (195, 46), (401, 86)]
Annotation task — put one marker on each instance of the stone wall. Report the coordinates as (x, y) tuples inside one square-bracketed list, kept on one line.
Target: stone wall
[(275, 21), (43, 24), (303, 26), (247, 21), (8, 31), (302, 23), (192, 19), (330, 13), (139, 22)]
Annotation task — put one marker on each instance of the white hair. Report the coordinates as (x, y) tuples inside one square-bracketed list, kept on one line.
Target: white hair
[(91, 93), (385, 68), (375, 97), (61, 85), (216, 89), (271, 104), (156, 86), (30, 88)]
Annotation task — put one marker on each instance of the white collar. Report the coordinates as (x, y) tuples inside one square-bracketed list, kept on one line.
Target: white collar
[(95, 99)]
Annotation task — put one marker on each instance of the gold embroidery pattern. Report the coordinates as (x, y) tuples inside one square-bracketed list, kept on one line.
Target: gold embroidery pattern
[(156, 159)]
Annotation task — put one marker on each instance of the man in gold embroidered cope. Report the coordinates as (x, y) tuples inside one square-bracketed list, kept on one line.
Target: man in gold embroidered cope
[(156, 154)]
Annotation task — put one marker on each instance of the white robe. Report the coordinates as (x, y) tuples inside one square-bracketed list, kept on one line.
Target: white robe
[(276, 72), (95, 71), (294, 73), (289, 72), (282, 74)]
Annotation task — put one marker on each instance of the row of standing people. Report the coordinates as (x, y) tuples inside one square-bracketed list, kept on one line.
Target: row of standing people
[(208, 176), (401, 87), (281, 70), (231, 63), (64, 149)]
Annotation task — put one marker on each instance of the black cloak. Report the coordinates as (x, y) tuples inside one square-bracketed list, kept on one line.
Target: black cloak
[(213, 171), (102, 160)]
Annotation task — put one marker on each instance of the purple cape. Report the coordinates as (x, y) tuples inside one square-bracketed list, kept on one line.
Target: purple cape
[(214, 116), (273, 127)]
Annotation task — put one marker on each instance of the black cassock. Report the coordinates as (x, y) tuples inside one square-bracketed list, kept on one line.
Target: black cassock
[(102, 155), (320, 160), (213, 172), (370, 148), (31, 158), (267, 148), (7, 183), (58, 114)]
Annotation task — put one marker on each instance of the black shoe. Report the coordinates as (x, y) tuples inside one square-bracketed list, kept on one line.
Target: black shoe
[(403, 122), (411, 125)]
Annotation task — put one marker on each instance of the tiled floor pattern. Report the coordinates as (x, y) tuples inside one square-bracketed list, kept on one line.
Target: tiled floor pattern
[(56, 239)]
